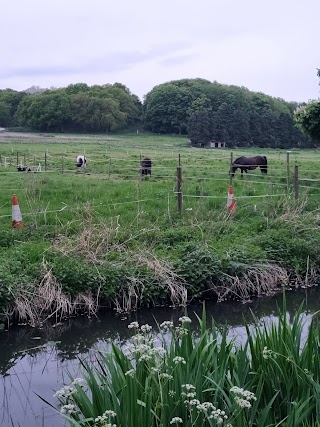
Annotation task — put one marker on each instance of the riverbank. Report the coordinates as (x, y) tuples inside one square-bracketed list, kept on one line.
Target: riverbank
[(107, 239)]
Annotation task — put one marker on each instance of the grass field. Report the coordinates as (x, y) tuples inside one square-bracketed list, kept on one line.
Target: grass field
[(109, 218)]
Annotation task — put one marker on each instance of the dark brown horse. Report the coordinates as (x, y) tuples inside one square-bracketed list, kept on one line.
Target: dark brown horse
[(145, 167), (249, 163)]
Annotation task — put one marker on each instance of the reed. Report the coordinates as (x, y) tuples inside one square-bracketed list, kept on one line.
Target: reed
[(176, 376)]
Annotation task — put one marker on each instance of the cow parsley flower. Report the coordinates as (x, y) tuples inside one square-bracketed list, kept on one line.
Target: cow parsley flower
[(176, 420), (177, 360), (185, 319), (133, 325)]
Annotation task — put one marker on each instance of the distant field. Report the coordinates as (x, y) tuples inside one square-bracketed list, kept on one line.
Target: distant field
[(112, 183)]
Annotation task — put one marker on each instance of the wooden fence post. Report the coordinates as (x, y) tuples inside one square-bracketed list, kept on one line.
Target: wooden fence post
[(231, 161), (288, 171), (179, 186), (45, 161), (296, 182), (109, 167), (17, 158)]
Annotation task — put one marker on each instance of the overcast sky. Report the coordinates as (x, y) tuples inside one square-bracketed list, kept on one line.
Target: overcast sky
[(267, 46)]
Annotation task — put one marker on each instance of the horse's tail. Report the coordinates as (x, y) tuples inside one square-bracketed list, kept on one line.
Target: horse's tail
[(265, 159)]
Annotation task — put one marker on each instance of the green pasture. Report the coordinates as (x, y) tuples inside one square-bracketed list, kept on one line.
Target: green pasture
[(109, 231), (112, 183)]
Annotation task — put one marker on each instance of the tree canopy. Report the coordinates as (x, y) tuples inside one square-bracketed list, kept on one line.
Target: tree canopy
[(307, 118), (220, 113), (80, 107)]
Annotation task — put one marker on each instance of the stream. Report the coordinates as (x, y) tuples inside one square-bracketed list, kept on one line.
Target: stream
[(35, 361)]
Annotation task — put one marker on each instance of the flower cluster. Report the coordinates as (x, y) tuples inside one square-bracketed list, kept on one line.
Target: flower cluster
[(243, 397), (167, 325), (184, 319), (266, 353), (176, 420), (178, 360), (133, 325), (104, 420), (67, 409), (189, 391), (65, 393)]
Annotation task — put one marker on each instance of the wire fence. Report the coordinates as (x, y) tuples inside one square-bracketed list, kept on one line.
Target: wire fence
[(182, 173)]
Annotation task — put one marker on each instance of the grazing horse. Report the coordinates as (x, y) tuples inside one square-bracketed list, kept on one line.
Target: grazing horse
[(145, 166), (249, 163), (81, 162)]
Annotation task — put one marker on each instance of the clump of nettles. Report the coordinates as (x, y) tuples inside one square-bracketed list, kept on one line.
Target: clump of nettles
[(153, 353)]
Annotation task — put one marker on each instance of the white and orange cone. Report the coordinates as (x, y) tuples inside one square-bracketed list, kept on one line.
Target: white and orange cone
[(231, 203), (16, 214)]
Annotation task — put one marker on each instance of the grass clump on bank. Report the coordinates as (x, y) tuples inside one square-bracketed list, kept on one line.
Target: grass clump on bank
[(174, 376)]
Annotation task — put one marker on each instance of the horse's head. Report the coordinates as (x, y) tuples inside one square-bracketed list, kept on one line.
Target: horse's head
[(233, 169)]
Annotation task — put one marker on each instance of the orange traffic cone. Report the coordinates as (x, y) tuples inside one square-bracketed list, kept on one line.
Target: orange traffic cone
[(16, 214), (231, 203)]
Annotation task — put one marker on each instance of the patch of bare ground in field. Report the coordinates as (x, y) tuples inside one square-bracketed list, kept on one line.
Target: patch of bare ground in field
[(26, 137)]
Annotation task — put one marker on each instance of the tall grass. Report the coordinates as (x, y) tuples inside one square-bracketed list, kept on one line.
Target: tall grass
[(178, 377)]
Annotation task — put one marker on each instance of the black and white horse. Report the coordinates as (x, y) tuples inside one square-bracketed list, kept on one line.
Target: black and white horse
[(81, 162), (249, 163)]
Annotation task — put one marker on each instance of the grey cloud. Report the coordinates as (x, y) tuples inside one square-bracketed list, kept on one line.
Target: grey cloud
[(116, 61), (178, 60)]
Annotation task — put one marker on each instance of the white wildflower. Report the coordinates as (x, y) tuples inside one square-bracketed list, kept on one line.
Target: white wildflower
[(133, 325), (266, 354), (181, 331), (192, 402), (65, 393), (248, 395), (130, 373), (172, 393), (145, 357), (166, 325), (146, 328), (185, 319), (178, 360), (67, 409), (205, 406), (243, 403), (166, 376), (188, 386), (78, 381), (176, 420)]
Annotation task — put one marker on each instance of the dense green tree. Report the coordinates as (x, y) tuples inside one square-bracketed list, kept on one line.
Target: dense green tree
[(91, 113), (9, 102), (307, 118), (200, 128), (238, 117), (80, 107), (48, 111)]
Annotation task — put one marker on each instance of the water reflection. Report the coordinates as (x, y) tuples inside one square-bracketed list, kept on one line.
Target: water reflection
[(36, 361)]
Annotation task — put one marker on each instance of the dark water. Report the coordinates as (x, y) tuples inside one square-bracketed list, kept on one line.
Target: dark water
[(37, 361)]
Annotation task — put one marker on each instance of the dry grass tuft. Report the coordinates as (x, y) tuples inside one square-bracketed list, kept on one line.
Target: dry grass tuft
[(94, 240), (49, 301), (258, 280), (166, 276)]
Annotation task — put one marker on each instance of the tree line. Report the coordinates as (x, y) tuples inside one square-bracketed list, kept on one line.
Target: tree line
[(205, 111), (76, 108)]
